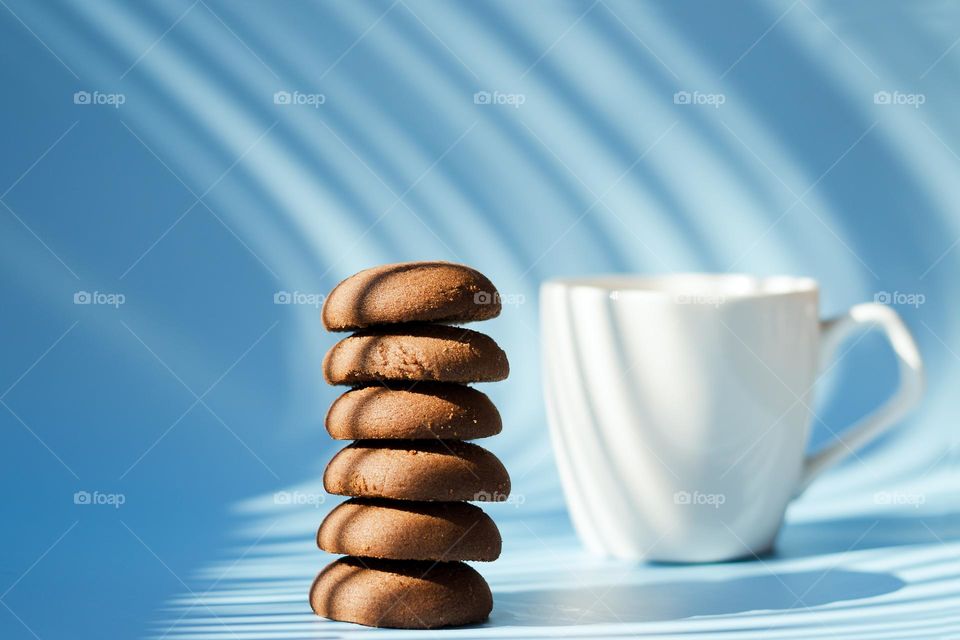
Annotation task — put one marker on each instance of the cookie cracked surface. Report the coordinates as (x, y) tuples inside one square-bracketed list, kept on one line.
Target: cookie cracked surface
[(419, 352), (425, 411)]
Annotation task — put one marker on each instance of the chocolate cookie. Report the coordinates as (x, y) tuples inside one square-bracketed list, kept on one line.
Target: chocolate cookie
[(410, 292), (402, 530), (405, 594), (417, 470), (415, 352), (428, 410)]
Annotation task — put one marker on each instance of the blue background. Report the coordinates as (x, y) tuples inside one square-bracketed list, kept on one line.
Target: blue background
[(200, 198)]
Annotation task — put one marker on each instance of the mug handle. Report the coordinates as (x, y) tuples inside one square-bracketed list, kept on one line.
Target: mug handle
[(832, 334)]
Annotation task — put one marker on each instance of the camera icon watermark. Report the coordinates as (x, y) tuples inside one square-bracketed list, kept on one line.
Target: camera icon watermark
[(299, 98), (514, 100), (714, 100), (99, 298), (115, 100), (914, 100), (299, 297), (696, 498), (900, 298), (97, 498)]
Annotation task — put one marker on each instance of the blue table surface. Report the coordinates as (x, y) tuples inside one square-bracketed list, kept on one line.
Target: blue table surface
[(851, 562)]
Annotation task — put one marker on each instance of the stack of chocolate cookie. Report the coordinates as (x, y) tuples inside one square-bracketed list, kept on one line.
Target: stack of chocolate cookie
[(408, 526)]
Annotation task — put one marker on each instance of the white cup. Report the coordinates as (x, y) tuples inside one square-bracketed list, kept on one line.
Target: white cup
[(680, 406)]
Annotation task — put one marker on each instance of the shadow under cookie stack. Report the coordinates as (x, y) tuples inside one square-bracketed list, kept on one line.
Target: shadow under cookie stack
[(408, 526)]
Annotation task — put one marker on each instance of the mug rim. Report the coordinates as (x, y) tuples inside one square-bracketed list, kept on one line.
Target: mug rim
[(727, 285)]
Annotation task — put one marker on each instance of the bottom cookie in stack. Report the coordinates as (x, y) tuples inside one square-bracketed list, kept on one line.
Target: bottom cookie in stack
[(405, 594), (404, 565)]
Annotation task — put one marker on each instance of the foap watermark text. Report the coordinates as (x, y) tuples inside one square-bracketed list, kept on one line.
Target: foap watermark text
[(515, 499), (499, 98), (699, 98), (900, 298), (299, 297), (697, 498), (900, 98), (503, 299), (98, 498), (900, 498), (99, 298), (708, 299), (299, 98), (99, 98), (299, 498)]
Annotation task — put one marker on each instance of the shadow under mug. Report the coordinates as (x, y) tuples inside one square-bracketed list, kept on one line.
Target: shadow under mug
[(680, 406)]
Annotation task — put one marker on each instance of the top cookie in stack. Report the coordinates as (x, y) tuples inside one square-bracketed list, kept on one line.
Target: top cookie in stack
[(410, 292), (408, 528)]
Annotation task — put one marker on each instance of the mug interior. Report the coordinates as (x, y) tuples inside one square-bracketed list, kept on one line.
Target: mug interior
[(722, 285)]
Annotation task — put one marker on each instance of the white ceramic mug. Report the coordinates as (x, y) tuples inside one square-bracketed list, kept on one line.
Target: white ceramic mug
[(680, 406)]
